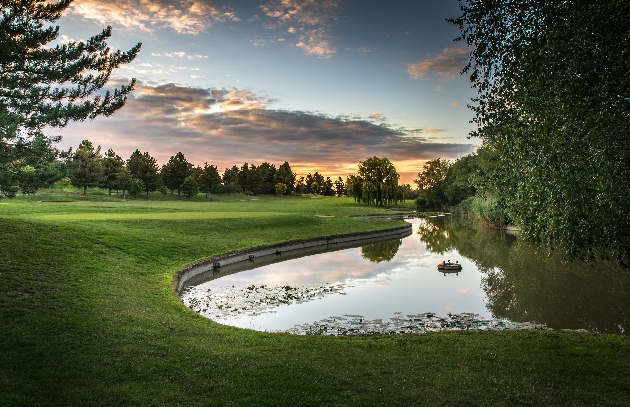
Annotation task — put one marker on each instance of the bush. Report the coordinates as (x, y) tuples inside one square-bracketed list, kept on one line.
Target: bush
[(63, 183), (136, 187), (190, 187), (421, 201), (281, 189), (491, 211)]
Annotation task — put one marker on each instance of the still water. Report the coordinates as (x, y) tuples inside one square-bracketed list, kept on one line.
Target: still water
[(501, 279)]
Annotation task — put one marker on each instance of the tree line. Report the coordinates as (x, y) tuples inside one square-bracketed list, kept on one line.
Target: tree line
[(87, 167)]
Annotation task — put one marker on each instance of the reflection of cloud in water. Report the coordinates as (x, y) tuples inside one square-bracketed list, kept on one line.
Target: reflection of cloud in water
[(342, 266)]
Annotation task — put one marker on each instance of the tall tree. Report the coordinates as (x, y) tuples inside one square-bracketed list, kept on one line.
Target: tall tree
[(431, 181), (244, 177), (175, 171), (340, 187), (266, 178), (86, 166), (460, 180), (314, 183), (44, 86), (210, 180), (284, 175), (354, 185), (112, 165), (145, 168), (380, 181), (300, 186), (230, 180), (553, 104), (328, 189)]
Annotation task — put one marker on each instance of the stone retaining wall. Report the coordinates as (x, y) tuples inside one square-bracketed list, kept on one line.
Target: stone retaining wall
[(318, 244)]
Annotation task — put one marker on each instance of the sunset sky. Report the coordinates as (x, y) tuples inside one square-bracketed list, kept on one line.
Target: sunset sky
[(322, 84)]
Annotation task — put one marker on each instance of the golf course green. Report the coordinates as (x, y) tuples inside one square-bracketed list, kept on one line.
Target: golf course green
[(89, 317)]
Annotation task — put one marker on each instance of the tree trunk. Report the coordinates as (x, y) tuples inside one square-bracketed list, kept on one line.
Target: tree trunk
[(85, 190)]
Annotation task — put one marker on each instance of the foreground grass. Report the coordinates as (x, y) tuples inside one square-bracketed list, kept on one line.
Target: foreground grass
[(88, 316)]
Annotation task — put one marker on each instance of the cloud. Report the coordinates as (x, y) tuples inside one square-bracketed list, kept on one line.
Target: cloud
[(455, 104), (316, 42), (183, 16), (231, 126), (309, 19), (447, 64), (179, 54)]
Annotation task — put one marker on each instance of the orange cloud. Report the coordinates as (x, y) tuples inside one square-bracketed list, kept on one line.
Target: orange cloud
[(447, 64), (307, 18), (183, 16), (230, 126)]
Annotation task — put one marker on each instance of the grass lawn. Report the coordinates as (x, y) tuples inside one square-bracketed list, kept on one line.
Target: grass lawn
[(89, 317)]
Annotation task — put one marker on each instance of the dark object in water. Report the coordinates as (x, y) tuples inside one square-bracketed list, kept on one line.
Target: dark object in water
[(448, 266)]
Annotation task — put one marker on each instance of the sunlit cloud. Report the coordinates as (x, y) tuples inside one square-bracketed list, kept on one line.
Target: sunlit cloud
[(231, 126), (179, 54), (183, 16), (447, 64), (309, 19)]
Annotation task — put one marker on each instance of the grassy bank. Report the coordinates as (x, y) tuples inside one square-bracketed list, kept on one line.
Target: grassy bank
[(88, 316)]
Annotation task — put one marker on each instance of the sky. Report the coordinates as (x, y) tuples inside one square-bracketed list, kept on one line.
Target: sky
[(322, 84)]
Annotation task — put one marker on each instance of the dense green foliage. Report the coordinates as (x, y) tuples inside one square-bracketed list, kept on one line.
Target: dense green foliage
[(145, 168), (29, 165), (86, 167), (375, 183), (175, 171), (89, 317), (431, 181), (444, 183), (553, 108), (190, 187), (113, 164)]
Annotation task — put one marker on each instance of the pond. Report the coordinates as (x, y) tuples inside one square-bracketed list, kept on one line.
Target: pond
[(395, 286)]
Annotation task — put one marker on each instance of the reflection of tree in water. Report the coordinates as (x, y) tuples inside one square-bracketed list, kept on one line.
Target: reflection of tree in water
[(378, 252), (522, 285)]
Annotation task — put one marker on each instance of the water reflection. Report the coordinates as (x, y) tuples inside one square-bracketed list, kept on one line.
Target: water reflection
[(379, 252), (501, 278), (521, 285)]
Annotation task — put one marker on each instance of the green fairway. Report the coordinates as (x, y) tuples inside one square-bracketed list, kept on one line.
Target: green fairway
[(158, 215), (89, 317)]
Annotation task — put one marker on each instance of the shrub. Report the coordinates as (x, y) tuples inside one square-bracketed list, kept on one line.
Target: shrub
[(190, 187)]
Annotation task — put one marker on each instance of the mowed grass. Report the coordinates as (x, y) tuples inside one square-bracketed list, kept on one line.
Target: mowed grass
[(89, 317)]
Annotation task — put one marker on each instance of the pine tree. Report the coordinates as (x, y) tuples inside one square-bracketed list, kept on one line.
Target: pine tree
[(145, 168), (86, 167), (49, 86)]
